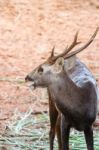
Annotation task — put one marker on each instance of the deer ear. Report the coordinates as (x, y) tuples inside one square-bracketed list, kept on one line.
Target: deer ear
[(60, 61), (70, 63), (59, 64)]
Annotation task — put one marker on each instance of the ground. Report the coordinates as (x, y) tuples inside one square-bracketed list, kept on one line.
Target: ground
[(28, 31)]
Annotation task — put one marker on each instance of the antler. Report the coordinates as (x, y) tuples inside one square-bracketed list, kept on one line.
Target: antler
[(65, 54), (73, 44), (53, 58), (84, 46)]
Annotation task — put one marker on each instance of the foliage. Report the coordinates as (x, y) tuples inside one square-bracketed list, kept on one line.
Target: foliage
[(30, 132)]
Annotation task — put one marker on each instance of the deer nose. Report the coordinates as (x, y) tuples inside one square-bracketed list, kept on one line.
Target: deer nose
[(28, 78)]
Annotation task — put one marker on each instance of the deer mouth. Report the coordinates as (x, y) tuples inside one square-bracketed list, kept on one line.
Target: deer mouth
[(30, 82), (31, 85), (28, 79)]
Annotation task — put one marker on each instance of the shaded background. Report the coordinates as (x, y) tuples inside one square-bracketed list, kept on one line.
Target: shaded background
[(28, 31)]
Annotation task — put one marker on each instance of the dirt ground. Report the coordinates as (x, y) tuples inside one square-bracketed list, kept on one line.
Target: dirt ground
[(28, 31)]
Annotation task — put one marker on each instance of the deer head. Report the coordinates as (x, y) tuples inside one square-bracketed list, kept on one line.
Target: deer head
[(44, 73)]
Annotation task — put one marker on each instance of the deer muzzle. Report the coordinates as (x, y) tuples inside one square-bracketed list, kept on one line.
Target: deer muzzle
[(31, 83), (28, 78)]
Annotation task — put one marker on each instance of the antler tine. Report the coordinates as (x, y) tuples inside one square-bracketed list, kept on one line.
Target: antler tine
[(73, 44), (84, 46), (67, 49), (52, 53), (51, 57)]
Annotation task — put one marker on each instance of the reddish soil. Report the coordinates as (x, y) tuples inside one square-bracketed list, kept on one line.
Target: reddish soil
[(28, 31)]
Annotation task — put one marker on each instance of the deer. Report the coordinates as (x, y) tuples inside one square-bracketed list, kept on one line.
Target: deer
[(72, 91)]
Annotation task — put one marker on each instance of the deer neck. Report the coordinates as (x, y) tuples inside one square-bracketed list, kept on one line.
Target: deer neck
[(65, 93), (69, 83), (64, 82)]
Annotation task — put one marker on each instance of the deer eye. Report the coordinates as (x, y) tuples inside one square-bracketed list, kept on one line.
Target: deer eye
[(40, 70)]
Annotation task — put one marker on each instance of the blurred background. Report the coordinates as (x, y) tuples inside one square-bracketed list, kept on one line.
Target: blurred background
[(28, 31)]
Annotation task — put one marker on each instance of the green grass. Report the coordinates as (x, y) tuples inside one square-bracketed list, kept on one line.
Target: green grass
[(30, 132)]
